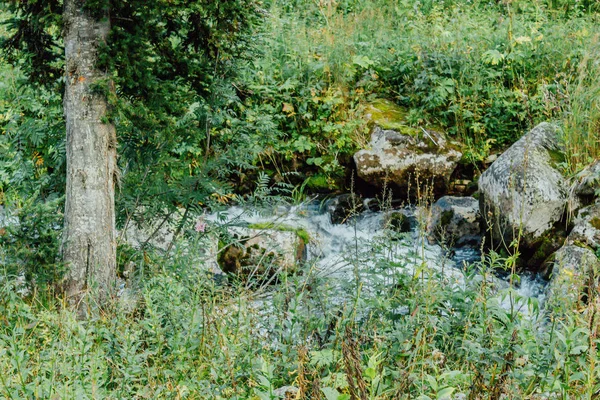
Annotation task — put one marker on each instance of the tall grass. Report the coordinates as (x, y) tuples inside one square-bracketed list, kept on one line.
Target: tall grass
[(485, 72), (582, 120), (390, 332)]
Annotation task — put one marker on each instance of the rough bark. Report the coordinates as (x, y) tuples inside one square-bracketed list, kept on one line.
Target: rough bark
[(89, 246)]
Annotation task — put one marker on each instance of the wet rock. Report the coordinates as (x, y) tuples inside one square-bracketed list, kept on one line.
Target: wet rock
[(343, 207), (260, 253), (400, 221), (586, 230), (455, 221), (575, 272), (587, 183), (523, 191), (403, 159)]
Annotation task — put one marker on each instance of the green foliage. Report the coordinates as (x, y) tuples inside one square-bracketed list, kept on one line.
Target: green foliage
[(485, 72), (417, 333), (175, 106), (582, 120), (486, 75), (30, 242), (32, 156), (30, 31)]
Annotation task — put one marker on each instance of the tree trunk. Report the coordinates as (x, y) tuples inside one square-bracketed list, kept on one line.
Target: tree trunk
[(89, 246)]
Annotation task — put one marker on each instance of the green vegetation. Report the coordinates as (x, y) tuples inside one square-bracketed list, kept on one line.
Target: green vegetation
[(187, 337), (277, 94)]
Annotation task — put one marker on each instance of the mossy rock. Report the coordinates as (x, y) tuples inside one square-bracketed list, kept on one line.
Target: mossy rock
[(446, 218), (398, 154), (258, 252), (388, 115), (319, 183)]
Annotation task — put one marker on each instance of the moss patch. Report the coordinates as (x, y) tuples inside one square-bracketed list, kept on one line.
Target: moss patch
[(399, 222), (318, 183), (388, 115), (557, 158), (595, 222)]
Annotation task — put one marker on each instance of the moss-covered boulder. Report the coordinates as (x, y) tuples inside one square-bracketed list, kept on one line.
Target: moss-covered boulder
[(455, 221), (523, 194), (401, 156), (400, 221), (259, 251)]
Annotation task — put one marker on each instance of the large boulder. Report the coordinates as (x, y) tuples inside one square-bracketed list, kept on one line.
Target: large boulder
[(455, 221), (403, 159), (575, 272), (259, 253), (522, 194)]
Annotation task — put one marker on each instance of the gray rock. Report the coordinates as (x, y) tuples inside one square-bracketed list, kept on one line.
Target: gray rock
[(573, 267), (260, 253), (587, 183), (523, 190), (343, 207), (455, 220), (587, 228), (400, 159), (286, 392)]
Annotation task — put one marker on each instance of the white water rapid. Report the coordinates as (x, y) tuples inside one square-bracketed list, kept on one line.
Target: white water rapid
[(362, 249)]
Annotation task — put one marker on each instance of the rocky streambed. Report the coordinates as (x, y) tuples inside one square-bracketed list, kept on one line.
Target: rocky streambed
[(522, 204), (370, 248)]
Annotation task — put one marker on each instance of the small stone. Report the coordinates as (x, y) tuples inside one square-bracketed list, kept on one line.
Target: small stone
[(286, 392), (490, 159), (343, 207), (456, 221)]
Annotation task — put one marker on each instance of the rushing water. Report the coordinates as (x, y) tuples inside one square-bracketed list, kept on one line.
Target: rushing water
[(358, 249)]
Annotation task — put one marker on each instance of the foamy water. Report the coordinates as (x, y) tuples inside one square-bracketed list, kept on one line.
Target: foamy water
[(361, 251)]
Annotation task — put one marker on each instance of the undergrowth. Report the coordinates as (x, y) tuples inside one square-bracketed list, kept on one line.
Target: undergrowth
[(483, 71), (398, 328)]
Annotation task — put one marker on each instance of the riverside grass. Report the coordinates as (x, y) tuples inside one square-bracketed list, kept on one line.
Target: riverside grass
[(424, 336), (464, 65), (484, 71)]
